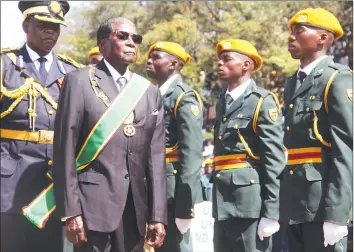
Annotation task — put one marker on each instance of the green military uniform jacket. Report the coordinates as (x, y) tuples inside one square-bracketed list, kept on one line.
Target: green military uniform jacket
[(183, 127), (250, 191), (316, 185)]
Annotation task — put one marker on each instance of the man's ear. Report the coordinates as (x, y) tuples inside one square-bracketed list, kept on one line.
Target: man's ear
[(246, 65), (323, 38), (101, 44), (25, 25), (174, 64)]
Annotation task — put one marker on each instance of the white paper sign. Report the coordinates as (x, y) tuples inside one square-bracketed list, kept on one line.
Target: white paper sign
[(202, 228)]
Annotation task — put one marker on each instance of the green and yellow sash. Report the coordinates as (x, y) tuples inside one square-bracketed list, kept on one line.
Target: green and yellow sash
[(40, 209)]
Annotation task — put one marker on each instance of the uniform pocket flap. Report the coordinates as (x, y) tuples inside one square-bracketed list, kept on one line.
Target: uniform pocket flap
[(245, 176), (303, 105), (8, 165), (316, 105), (90, 177), (239, 123), (312, 174)]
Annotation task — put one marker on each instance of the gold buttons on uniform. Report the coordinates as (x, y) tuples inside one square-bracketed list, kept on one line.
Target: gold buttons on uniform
[(236, 126), (192, 210), (225, 118), (252, 181), (174, 171), (219, 137), (291, 105), (50, 162), (307, 109), (218, 175), (287, 128), (51, 112), (291, 172)]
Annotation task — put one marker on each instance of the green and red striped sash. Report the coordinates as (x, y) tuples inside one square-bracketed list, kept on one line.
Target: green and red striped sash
[(40, 209)]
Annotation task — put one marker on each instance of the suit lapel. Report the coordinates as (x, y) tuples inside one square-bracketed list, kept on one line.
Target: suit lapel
[(105, 81), (239, 101), (54, 72), (29, 67), (309, 81), (290, 88)]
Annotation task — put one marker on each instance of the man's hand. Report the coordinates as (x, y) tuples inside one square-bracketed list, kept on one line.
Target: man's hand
[(183, 225), (333, 233), (267, 227), (155, 234), (75, 231)]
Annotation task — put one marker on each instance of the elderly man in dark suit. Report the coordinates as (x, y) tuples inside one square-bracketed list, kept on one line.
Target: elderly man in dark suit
[(109, 153)]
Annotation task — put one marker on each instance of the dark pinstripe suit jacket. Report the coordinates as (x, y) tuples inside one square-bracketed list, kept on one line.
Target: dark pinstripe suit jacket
[(100, 192)]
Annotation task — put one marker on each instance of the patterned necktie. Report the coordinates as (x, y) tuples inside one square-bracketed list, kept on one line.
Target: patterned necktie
[(42, 71), (229, 101), (300, 78), (121, 83)]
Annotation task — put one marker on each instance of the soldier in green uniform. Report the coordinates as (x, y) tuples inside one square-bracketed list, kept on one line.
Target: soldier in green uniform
[(183, 127), (249, 154), (316, 185), (31, 79)]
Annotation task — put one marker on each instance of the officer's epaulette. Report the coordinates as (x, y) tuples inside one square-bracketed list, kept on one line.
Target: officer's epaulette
[(12, 53), (260, 91), (184, 86), (337, 66), (8, 50), (70, 61)]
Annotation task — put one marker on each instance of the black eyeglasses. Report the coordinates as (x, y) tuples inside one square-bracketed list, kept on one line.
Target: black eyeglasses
[(122, 35)]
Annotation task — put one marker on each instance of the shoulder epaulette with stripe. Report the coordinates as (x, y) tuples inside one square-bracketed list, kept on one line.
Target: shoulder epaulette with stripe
[(8, 50), (70, 61)]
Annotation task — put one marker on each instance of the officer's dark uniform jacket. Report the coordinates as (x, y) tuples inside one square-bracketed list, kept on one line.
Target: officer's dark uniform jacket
[(27, 112), (183, 127), (316, 184), (249, 156)]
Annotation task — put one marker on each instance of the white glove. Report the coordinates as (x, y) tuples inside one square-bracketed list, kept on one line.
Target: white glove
[(267, 227), (333, 233), (183, 225)]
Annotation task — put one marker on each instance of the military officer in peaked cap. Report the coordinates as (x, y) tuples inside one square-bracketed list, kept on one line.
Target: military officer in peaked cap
[(249, 154), (183, 127), (316, 185), (31, 78)]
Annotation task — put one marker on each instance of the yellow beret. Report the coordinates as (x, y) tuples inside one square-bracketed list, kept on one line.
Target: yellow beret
[(319, 18), (208, 161), (93, 51), (171, 48), (240, 46)]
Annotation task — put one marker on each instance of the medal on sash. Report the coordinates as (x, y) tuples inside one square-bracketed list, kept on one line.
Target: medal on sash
[(129, 129)]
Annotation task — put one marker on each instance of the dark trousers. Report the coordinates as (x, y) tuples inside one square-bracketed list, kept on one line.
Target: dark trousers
[(239, 235), (280, 240), (174, 240), (19, 235), (126, 238), (308, 237)]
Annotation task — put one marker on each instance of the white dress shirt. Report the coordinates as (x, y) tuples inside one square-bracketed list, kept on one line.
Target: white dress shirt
[(308, 69), (34, 57), (115, 74), (238, 91), (166, 85)]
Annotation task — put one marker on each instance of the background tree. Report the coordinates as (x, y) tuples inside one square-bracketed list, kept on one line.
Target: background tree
[(199, 25)]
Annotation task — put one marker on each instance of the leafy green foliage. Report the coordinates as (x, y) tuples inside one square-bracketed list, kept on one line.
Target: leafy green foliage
[(199, 25)]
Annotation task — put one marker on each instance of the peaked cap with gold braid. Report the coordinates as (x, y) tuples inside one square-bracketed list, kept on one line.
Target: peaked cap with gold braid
[(47, 11)]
